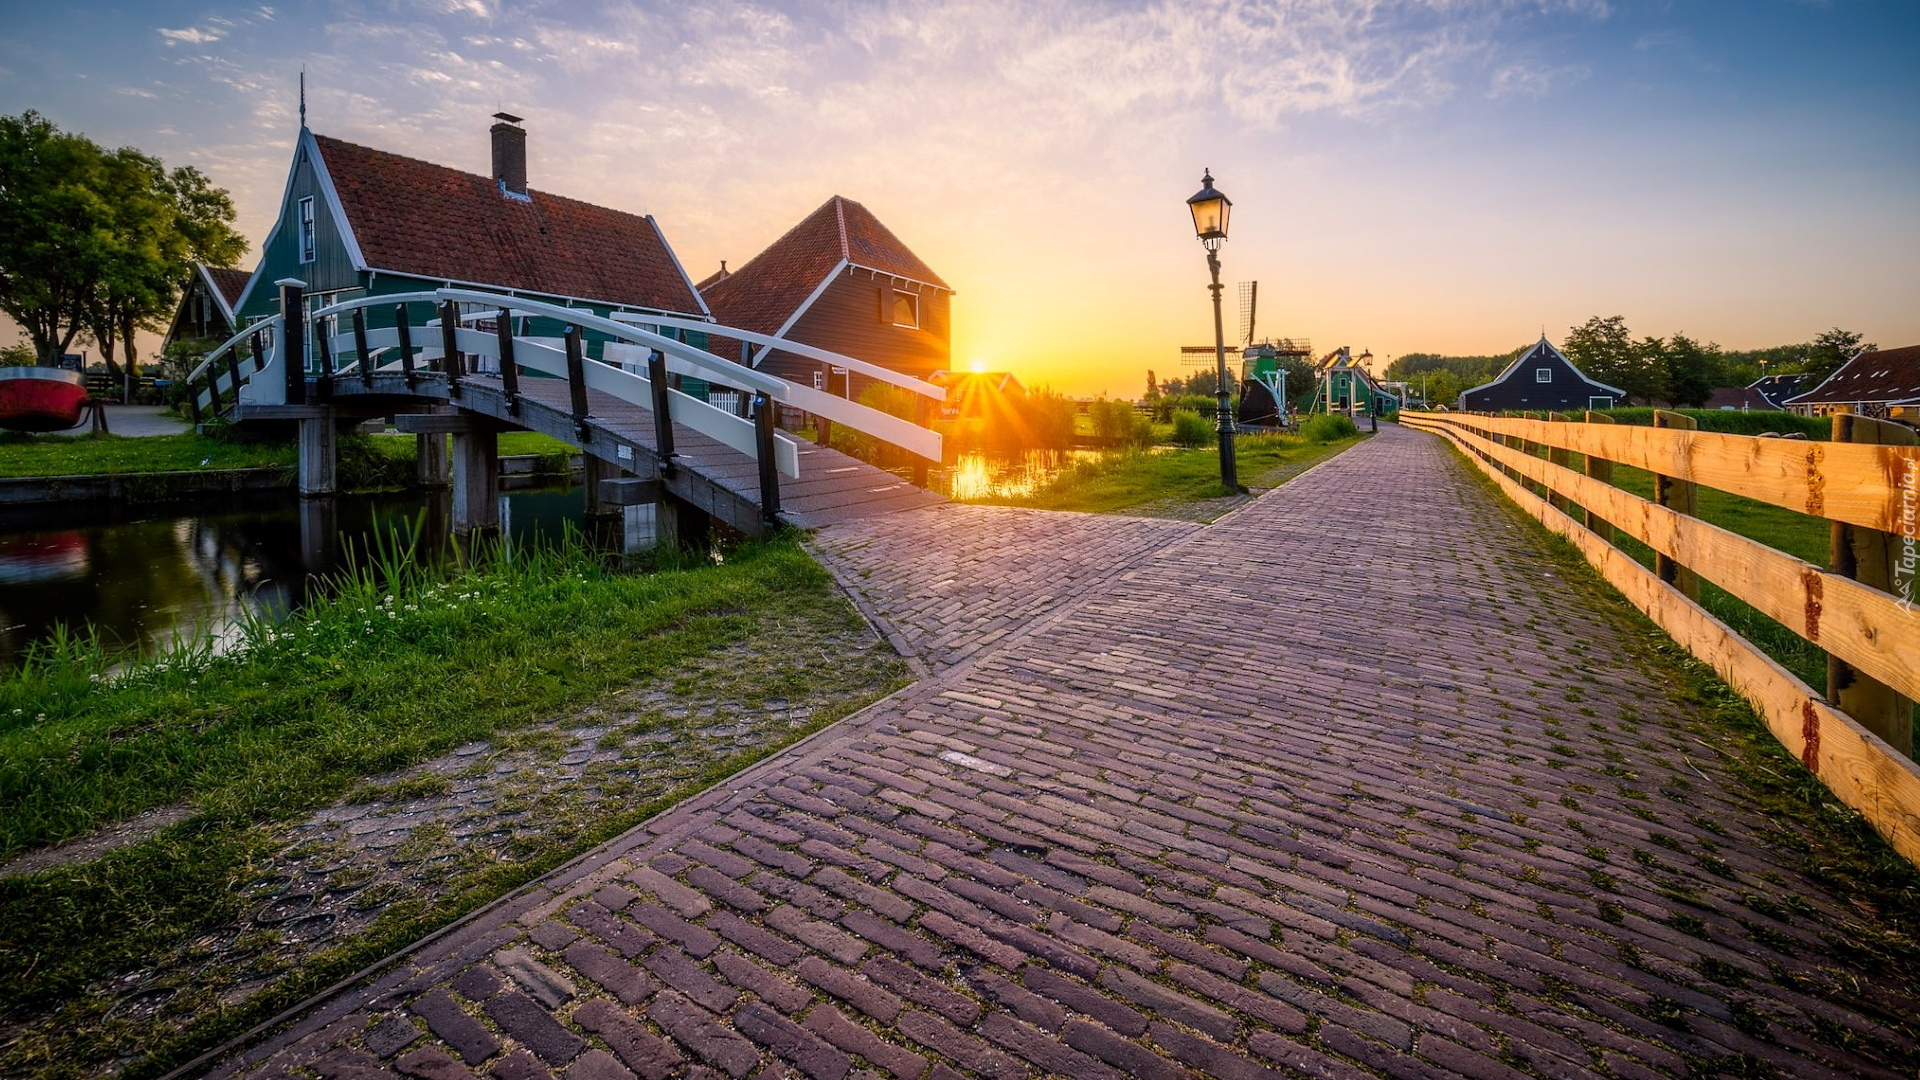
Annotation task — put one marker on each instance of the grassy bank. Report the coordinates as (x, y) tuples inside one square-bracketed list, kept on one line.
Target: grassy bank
[(374, 679), (102, 455), (1126, 480)]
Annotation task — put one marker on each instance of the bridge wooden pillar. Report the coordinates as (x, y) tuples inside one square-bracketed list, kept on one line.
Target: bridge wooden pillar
[(476, 481), (319, 460)]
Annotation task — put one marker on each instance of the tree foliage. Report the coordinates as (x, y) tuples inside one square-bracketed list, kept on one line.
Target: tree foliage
[(99, 242), (1831, 348)]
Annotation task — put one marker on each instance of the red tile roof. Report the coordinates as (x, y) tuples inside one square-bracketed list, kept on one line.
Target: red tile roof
[(1886, 376), (762, 295), (230, 282), (413, 217)]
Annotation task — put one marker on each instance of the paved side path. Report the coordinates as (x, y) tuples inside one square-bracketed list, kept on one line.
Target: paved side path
[(1182, 801)]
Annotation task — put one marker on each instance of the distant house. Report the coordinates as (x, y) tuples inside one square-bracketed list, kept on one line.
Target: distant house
[(355, 221), (1541, 379), (842, 281), (1740, 399), (1777, 389), (1884, 384), (207, 304)]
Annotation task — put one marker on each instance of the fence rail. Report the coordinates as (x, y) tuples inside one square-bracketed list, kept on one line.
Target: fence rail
[(1857, 737)]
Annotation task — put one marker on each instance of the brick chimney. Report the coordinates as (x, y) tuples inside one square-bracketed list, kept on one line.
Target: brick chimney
[(510, 154)]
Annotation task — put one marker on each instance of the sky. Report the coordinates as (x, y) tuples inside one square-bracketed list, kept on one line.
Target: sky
[(1451, 176)]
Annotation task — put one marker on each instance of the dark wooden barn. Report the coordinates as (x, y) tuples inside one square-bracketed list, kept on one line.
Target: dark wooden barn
[(1542, 379)]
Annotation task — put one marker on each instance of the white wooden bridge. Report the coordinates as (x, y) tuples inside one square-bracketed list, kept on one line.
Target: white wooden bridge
[(644, 440)]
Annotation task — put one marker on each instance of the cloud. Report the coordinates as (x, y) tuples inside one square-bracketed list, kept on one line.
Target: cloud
[(1533, 80), (192, 36)]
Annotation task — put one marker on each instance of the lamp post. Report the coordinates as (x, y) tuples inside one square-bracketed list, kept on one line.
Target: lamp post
[(1210, 209)]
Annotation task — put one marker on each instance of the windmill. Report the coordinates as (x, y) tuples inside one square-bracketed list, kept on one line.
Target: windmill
[(1263, 382)]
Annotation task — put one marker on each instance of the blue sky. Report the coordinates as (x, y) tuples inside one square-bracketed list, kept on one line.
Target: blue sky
[(1449, 175)]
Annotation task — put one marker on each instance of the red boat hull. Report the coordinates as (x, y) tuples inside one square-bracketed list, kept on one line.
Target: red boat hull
[(40, 399)]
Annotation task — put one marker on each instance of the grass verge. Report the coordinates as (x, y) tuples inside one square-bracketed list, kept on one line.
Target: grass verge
[(1830, 843), (396, 668), (106, 455), (1125, 480)]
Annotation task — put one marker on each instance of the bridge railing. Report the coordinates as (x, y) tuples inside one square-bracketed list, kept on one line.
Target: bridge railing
[(214, 384), (1861, 609)]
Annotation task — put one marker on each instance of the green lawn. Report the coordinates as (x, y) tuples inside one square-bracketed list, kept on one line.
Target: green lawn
[(397, 668), (1128, 479), (87, 455)]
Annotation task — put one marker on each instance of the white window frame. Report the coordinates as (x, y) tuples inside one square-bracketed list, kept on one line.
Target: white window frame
[(1543, 374), (308, 232)]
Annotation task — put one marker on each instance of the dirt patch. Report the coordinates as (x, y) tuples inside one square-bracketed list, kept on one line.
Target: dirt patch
[(82, 849)]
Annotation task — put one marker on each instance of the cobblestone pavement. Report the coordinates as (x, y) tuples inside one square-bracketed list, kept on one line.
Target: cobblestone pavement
[(1204, 805)]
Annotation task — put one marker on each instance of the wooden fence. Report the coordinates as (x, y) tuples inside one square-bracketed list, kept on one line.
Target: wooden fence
[(1860, 609)]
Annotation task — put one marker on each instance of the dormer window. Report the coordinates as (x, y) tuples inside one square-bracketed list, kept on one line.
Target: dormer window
[(306, 230), (906, 309), (1544, 374)]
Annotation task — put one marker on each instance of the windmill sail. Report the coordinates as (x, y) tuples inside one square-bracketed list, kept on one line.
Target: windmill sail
[(1249, 303)]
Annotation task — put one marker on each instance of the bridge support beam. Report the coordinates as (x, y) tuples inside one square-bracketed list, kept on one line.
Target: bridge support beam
[(476, 482), (319, 460), (435, 468)]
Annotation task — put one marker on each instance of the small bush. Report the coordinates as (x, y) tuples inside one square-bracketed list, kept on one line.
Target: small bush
[(1118, 423), (1327, 427), (1191, 429)]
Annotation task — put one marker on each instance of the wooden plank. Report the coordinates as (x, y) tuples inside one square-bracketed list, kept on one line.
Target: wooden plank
[(1858, 483), (1868, 556), (1562, 457), (1680, 496), (1601, 470), (1843, 616), (1861, 771)]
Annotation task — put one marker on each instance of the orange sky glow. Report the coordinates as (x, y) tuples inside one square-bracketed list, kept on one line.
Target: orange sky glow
[(1405, 176)]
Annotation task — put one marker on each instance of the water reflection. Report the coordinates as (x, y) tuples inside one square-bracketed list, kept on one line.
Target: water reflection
[(144, 575), (978, 475)]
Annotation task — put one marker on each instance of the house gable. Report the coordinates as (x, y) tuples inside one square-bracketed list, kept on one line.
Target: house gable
[(1522, 386), (1887, 377), (830, 281), (337, 261)]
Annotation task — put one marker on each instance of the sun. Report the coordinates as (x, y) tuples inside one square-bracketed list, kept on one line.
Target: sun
[(977, 366)]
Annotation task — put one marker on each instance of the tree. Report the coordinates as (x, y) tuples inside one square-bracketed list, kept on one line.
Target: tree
[(1439, 386), (165, 222), (1831, 349), (51, 219), (1153, 387), (97, 242), (1604, 349), (1692, 371)]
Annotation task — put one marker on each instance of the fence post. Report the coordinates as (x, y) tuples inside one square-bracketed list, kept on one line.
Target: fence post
[(577, 381), (1869, 556), (360, 346), (662, 417), (763, 450), (1602, 470), (450, 347), (406, 342), (510, 371), (1682, 497), (1563, 458)]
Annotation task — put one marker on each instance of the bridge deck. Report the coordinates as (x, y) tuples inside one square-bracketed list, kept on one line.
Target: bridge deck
[(1181, 800), (831, 487)]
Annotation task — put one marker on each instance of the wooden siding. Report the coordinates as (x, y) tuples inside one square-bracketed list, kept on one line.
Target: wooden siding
[(1568, 392), (331, 269), (854, 316)]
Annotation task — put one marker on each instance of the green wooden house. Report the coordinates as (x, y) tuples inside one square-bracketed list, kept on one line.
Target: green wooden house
[(356, 221)]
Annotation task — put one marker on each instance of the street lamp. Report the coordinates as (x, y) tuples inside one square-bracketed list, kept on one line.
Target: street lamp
[(1210, 209)]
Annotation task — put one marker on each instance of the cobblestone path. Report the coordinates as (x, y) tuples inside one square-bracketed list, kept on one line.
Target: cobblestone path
[(1182, 800)]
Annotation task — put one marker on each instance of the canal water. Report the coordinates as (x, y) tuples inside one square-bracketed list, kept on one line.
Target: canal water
[(140, 577)]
